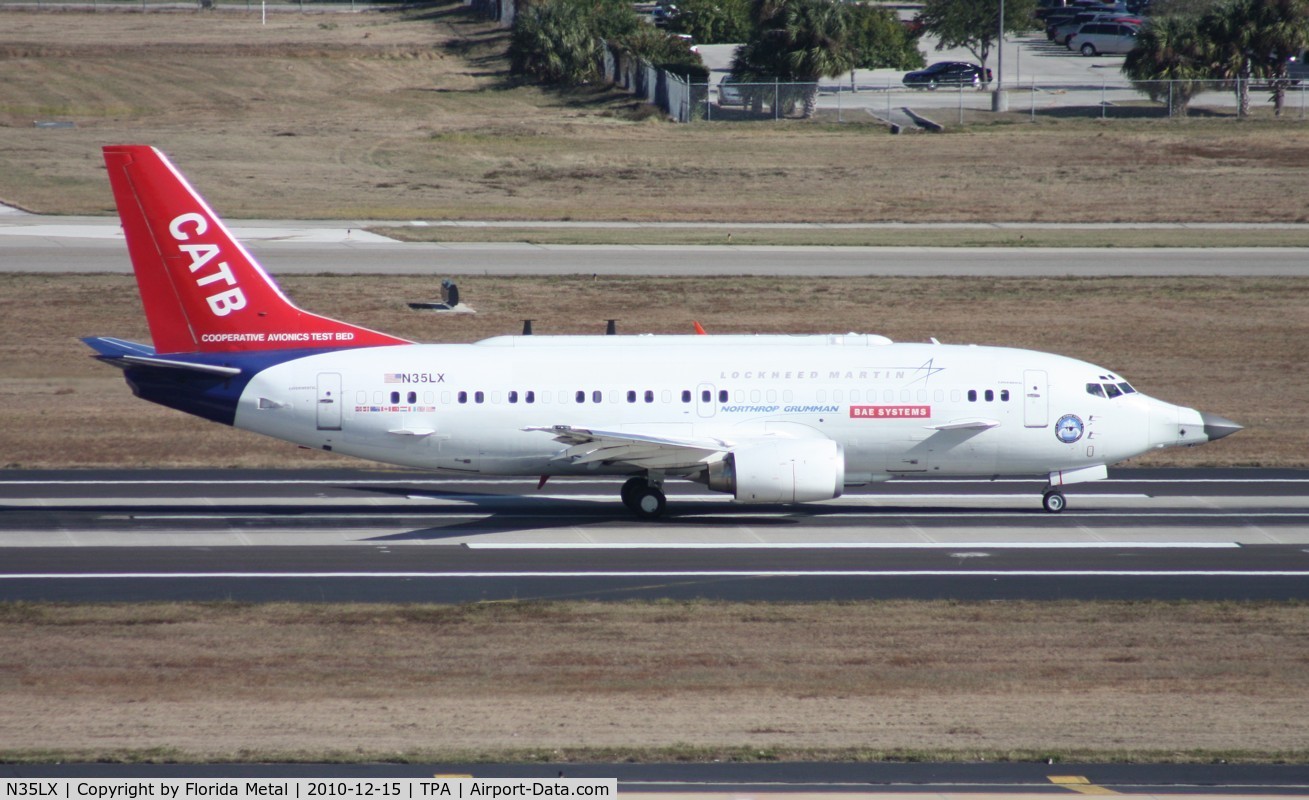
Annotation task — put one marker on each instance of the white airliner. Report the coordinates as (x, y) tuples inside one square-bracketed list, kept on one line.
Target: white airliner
[(767, 419)]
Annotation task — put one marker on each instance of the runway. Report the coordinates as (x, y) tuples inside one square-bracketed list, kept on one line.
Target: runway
[(375, 536)]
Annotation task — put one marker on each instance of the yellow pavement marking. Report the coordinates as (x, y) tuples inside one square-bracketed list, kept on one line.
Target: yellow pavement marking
[(1079, 784)]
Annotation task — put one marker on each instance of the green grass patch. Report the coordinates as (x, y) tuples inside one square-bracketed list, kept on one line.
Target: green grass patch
[(829, 236)]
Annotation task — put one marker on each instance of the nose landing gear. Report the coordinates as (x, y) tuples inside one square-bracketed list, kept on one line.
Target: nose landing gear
[(1054, 501)]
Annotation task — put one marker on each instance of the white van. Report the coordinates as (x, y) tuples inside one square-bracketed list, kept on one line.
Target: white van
[(1101, 38)]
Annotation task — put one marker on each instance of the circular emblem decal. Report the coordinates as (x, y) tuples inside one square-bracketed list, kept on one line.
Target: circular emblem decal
[(1069, 428)]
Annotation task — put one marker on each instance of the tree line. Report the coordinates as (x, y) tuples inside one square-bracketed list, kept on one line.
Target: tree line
[(559, 42), (1179, 53), (1236, 41)]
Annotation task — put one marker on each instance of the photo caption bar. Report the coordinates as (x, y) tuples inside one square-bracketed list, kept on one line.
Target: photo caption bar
[(305, 789)]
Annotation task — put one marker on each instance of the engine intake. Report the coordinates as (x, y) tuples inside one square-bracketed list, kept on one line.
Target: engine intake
[(784, 471)]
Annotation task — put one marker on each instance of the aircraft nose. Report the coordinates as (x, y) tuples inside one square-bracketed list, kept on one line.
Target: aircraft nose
[(1216, 427)]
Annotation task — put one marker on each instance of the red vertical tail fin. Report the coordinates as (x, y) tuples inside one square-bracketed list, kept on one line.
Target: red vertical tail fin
[(203, 292)]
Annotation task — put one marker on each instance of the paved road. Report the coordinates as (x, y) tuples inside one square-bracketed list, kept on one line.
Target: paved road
[(88, 244), (372, 536)]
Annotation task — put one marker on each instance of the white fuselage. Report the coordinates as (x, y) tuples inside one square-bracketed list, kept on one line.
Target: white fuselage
[(895, 409)]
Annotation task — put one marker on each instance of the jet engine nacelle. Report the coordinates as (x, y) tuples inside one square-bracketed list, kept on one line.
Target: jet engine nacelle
[(785, 471)]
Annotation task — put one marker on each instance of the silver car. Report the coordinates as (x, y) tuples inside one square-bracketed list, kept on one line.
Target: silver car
[(1100, 38)]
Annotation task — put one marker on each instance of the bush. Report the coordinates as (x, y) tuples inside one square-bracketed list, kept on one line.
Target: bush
[(558, 41)]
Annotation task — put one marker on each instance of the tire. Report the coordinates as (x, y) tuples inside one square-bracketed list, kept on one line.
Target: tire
[(631, 491), (1088, 49), (931, 86), (1054, 502), (650, 503)]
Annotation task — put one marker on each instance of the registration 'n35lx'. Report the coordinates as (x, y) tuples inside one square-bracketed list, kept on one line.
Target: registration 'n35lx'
[(766, 419)]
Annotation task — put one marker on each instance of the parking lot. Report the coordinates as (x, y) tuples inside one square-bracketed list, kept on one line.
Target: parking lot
[(1038, 76)]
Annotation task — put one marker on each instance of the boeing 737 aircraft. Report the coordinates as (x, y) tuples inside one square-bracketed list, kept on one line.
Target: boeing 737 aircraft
[(766, 419)]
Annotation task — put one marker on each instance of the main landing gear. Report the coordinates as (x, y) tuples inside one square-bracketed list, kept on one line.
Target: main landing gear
[(1054, 501), (643, 496)]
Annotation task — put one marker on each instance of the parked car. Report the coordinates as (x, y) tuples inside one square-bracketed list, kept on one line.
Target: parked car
[(1297, 68), (1061, 31), (729, 92), (663, 13), (948, 73), (1100, 38)]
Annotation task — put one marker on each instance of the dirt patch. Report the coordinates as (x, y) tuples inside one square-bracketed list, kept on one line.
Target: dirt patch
[(227, 681)]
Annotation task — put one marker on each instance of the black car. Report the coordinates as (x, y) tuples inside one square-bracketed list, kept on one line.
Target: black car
[(948, 73)]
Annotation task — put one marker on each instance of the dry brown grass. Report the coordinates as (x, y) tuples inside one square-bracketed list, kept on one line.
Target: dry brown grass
[(228, 681), (1230, 346), (402, 116)]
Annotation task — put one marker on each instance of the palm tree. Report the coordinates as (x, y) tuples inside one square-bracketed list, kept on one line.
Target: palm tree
[(1168, 62), (796, 41), (1254, 39), (1282, 29), (1229, 41)]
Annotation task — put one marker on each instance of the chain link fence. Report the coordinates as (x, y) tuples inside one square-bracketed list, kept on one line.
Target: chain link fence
[(898, 105)]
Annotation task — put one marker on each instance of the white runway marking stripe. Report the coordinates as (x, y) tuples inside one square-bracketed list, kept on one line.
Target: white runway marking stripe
[(849, 545), (562, 479), (858, 573)]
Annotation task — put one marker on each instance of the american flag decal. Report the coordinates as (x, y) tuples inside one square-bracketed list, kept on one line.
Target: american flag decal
[(393, 377)]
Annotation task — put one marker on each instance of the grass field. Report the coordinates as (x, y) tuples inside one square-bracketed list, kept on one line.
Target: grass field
[(1204, 342), (665, 681), (413, 116)]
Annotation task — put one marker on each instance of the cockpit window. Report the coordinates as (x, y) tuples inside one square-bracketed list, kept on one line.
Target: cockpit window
[(1127, 388), (1095, 389), (1112, 391)]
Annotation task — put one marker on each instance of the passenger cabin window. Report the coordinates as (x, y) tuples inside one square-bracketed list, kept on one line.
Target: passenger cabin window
[(597, 396), (722, 395), (686, 395), (530, 397), (581, 396), (513, 397), (395, 398), (463, 397), (479, 397), (631, 395), (649, 395), (706, 395), (412, 397), (990, 396), (1004, 395), (972, 395)]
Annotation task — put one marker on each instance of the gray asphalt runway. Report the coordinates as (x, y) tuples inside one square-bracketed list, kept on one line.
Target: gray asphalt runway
[(412, 537)]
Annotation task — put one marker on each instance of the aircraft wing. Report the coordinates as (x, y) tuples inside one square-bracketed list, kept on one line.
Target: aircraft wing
[(586, 446), (971, 424)]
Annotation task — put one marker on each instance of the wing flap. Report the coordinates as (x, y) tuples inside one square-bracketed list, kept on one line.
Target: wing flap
[(973, 424), (587, 446)]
